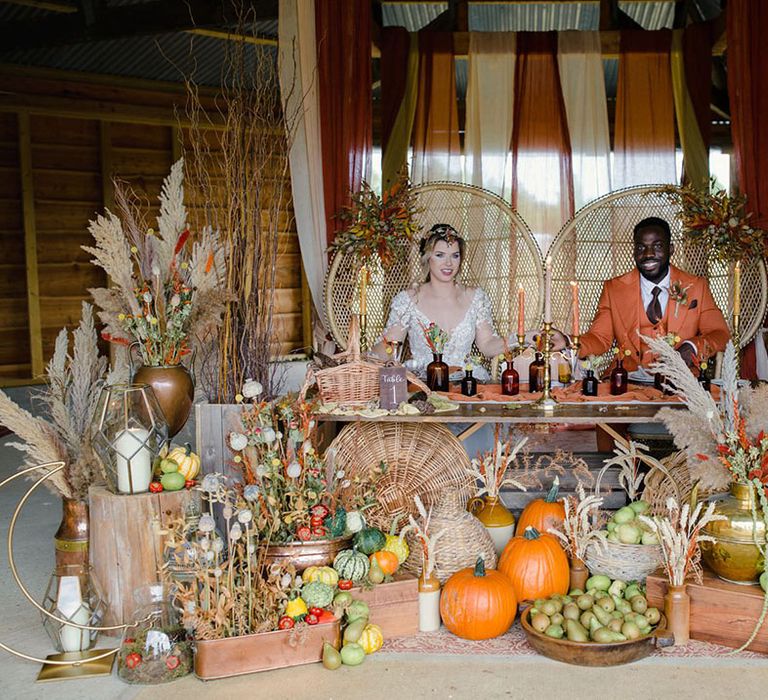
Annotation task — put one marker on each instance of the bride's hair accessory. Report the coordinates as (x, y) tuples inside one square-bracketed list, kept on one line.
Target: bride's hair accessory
[(440, 232)]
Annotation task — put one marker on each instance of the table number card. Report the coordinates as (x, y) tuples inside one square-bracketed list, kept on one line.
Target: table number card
[(393, 387)]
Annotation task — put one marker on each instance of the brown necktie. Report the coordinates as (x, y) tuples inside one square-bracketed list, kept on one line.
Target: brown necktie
[(654, 307)]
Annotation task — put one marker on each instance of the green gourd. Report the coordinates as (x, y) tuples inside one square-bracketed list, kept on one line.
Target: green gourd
[(358, 610), (370, 540), (352, 565), (317, 594), (336, 523), (352, 654)]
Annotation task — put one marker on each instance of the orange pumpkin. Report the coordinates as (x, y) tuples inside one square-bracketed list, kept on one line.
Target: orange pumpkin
[(478, 604), (543, 513), (387, 561), (536, 565)]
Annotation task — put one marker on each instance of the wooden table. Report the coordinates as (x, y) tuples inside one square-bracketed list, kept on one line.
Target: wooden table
[(477, 415)]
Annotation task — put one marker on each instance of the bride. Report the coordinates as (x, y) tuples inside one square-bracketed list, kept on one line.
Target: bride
[(463, 312)]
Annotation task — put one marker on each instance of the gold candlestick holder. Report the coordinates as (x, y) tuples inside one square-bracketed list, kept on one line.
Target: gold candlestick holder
[(575, 345), (521, 342), (363, 333), (547, 402), (737, 342)]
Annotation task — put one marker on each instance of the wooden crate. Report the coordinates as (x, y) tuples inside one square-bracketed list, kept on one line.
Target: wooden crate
[(394, 606), (236, 656), (721, 612), (127, 541)]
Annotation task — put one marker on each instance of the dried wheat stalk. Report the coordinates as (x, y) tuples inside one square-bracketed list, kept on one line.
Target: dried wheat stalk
[(581, 523)]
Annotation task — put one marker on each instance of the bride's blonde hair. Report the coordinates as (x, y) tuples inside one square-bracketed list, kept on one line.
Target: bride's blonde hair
[(439, 232)]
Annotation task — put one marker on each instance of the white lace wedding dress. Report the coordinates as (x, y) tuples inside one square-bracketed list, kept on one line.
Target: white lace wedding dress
[(405, 314)]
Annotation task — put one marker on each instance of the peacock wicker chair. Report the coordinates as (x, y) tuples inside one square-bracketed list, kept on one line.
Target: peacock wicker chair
[(500, 254), (422, 459), (596, 244)]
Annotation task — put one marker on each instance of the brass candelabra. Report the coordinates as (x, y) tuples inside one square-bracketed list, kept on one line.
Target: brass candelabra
[(737, 341), (547, 402)]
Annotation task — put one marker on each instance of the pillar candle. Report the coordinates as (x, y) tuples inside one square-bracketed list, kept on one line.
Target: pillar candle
[(363, 290), (71, 606), (548, 290), (575, 294), (737, 289), (134, 461), (520, 310)]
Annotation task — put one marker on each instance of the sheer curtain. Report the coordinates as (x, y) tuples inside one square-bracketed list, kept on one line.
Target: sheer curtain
[(490, 111), (582, 78), (436, 149), (644, 144), (343, 32), (297, 58), (542, 182)]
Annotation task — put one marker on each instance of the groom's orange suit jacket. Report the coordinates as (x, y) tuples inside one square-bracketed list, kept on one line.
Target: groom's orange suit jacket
[(622, 316)]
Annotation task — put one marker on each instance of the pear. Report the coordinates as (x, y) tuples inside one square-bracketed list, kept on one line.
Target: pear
[(331, 657)]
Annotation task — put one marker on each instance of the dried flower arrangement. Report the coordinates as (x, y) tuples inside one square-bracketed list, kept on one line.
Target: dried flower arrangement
[(717, 221), (379, 226), (679, 533), (167, 294), (435, 336), (427, 539), (227, 590), (73, 385), (581, 523), (299, 493), (490, 468)]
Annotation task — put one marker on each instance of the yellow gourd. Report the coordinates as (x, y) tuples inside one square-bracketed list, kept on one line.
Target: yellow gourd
[(394, 545), (188, 461), (323, 574), (296, 608), (371, 639)]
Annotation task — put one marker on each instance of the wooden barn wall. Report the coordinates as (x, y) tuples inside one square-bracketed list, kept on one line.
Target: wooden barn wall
[(62, 139)]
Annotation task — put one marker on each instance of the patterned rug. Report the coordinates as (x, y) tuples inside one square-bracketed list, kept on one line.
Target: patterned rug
[(514, 643)]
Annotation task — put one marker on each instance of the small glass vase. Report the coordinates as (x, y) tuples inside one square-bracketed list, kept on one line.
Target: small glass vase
[(535, 374), (677, 610), (437, 373), (155, 649), (589, 384), (129, 431), (579, 573), (510, 381), (468, 384), (619, 378), (429, 604), (73, 594)]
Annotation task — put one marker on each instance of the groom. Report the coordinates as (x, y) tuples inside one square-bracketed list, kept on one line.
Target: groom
[(655, 299)]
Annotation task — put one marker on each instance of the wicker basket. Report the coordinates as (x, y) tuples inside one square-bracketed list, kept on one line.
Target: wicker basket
[(423, 459), (634, 562), (459, 546)]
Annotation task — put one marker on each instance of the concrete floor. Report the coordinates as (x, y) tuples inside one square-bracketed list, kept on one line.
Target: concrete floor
[(382, 676)]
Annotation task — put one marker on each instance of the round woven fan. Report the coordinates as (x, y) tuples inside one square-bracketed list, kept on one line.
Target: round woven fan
[(501, 254), (596, 244), (422, 459)]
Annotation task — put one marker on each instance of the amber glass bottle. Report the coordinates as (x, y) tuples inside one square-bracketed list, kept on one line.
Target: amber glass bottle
[(589, 384), (468, 384), (536, 373), (510, 380), (437, 373), (619, 378)]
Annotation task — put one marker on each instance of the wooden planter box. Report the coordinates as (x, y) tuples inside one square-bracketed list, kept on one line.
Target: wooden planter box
[(236, 656), (127, 542), (394, 606), (721, 612)]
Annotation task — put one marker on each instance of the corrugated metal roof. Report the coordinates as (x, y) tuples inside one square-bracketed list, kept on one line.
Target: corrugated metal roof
[(650, 15), (533, 17), (412, 15)]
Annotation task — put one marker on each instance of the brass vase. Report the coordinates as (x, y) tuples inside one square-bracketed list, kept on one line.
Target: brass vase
[(71, 539), (495, 517), (677, 610), (175, 391), (305, 554), (734, 556)]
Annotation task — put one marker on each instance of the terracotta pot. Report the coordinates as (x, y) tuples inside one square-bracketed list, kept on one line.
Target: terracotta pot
[(305, 554), (734, 556), (175, 391), (677, 610), (579, 573), (71, 539), (495, 517)]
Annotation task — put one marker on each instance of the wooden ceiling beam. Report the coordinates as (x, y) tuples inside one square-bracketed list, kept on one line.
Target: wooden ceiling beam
[(61, 7), (113, 22)]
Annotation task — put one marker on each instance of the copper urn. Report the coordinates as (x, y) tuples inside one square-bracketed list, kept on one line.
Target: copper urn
[(175, 391)]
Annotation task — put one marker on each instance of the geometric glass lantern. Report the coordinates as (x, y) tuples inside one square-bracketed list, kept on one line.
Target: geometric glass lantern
[(73, 594), (129, 431)]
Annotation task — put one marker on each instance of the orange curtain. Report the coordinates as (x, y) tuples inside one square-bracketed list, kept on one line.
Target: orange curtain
[(343, 31), (542, 178), (436, 148), (644, 144)]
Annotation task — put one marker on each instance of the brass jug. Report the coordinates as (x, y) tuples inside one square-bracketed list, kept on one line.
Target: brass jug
[(734, 556)]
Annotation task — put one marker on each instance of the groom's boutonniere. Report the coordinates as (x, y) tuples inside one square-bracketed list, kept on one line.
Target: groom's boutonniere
[(678, 294)]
